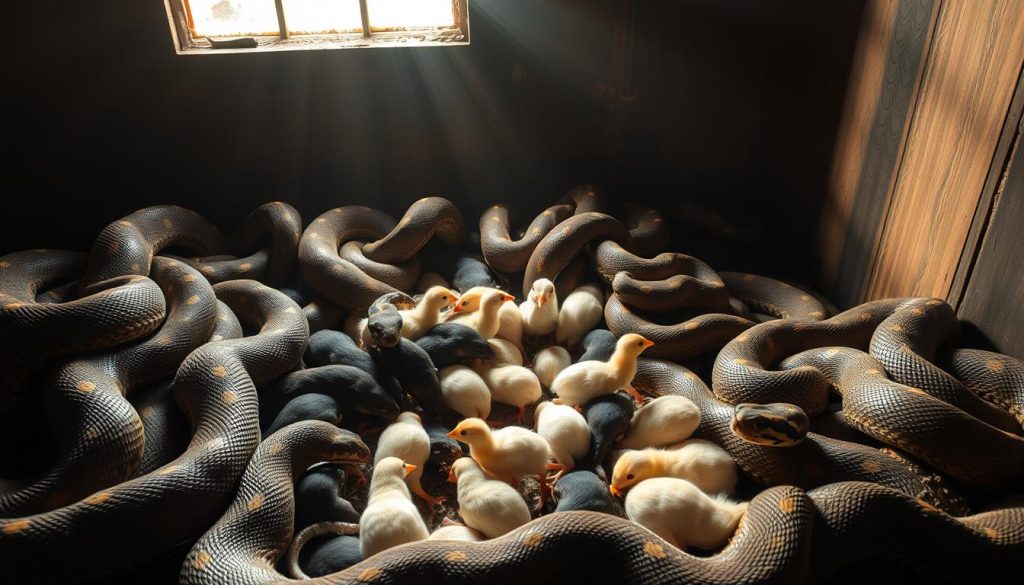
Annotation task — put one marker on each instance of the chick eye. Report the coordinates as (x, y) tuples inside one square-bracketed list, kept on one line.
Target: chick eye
[(630, 476), (639, 344), (463, 433)]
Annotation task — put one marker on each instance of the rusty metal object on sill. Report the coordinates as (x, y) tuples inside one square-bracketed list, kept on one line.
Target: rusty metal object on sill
[(239, 43)]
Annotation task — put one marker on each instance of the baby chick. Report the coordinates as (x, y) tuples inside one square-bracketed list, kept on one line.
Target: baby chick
[(540, 311), (505, 352), (465, 392), (701, 462), (679, 512), (487, 505), (565, 430), (508, 453), (583, 381), (513, 385), (427, 313), (458, 532), (581, 311), (666, 420), (479, 310), (549, 362), (407, 440), (390, 518)]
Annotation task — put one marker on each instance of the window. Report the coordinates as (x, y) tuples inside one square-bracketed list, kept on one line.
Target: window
[(211, 26)]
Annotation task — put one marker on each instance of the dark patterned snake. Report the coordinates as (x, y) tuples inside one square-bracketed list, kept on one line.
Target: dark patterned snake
[(837, 521), (929, 453)]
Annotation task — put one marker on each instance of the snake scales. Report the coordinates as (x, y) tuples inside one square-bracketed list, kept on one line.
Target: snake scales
[(827, 493)]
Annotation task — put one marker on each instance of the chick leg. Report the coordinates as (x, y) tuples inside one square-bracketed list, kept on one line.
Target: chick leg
[(637, 396), (416, 487)]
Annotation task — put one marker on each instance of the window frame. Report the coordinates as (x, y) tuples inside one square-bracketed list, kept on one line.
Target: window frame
[(370, 37)]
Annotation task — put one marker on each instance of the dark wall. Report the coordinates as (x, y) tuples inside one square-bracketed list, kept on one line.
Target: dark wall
[(737, 104)]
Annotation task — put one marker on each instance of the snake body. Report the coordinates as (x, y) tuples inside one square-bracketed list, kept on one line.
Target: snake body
[(782, 526)]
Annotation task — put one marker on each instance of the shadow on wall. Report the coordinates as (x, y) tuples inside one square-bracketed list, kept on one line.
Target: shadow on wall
[(737, 108)]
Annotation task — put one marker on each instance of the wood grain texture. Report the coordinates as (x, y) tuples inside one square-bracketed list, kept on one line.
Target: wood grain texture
[(883, 88), (968, 83), (992, 300)]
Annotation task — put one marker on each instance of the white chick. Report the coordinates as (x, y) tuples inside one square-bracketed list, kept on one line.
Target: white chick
[(505, 352), (508, 453), (429, 279), (484, 319), (584, 381), (679, 512), (513, 385), (581, 311), (427, 313), (465, 392), (510, 324), (390, 518), (355, 327), (457, 532), (565, 430), (700, 462), (549, 362), (666, 420), (406, 440), (490, 506), (540, 311)]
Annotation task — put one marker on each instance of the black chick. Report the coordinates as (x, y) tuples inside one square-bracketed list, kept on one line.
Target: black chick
[(448, 344), (411, 365), (598, 345), (608, 417), (352, 390), (584, 490)]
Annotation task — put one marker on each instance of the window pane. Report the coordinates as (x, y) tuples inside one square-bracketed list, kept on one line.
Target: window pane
[(410, 13), (322, 16), (233, 17)]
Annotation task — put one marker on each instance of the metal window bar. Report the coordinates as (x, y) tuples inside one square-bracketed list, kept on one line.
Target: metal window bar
[(282, 26)]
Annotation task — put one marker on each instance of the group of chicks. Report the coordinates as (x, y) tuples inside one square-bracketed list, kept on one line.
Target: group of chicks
[(675, 486)]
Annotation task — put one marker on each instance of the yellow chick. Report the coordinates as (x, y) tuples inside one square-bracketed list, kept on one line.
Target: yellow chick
[(565, 430), (390, 518), (406, 440), (703, 463), (479, 310), (513, 385), (457, 532), (510, 326), (489, 506), (666, 420), (427, 313), (540, 311), (584, 381), (581, 311), (465, 392), (682, 514), (549, 362), (508, 453)]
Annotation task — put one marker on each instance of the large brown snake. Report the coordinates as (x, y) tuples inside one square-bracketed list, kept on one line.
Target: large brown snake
[(783, 525), (353, 255)]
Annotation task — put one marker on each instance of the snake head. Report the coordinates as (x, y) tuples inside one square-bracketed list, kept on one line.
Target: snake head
[(774, 425)]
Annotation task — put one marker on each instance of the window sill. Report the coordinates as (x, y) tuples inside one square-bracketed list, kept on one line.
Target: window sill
[(432, 38)]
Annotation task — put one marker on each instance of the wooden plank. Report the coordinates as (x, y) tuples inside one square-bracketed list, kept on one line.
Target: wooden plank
[(965, 94), (884, 82), (992, 307), (983, 213)]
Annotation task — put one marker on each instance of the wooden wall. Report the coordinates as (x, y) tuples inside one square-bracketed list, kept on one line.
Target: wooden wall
[(931, 117)]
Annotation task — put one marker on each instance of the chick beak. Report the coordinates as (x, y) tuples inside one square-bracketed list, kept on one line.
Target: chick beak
[(457, 308), (453, 434), (614, 491), (451, 476), (409, 468), (648, 343), (541, 299), (507, 298)]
